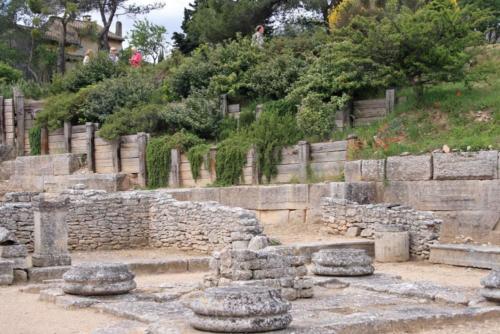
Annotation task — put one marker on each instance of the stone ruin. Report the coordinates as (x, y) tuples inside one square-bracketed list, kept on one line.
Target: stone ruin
[(13, 255), (237, 309), (98, 279), (342, 262), (271, 267), (491, 286)]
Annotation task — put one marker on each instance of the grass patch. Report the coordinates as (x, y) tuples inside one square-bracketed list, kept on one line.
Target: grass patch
[(460, 115)]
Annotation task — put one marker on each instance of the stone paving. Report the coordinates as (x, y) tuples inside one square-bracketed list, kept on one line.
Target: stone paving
[(374, 304)]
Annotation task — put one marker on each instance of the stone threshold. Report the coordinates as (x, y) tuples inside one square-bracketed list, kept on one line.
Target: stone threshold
[(466, 255)]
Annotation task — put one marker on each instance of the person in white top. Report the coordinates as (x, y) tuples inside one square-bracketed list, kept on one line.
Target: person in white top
[(88, 56), (258, 37)]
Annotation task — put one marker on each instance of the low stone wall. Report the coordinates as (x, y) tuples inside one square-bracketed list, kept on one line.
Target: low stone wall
[(98, 220), (461, 188), (424, 228)]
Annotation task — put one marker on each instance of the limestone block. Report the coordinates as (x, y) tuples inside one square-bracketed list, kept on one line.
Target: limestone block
[(492, 280), (274, 217), (352, 171), (98, 279), (305, 293), (7, 237), (373, 170), (6, 272), (244, 197), (353, 232), (258, 242), (240, 309), (283, 197), (481, 165), (7, 169), (409, 168), (359, 192), (13, 251), (20, 276)]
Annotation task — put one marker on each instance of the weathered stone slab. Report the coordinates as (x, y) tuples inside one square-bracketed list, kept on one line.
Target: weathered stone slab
[(478, 225), (373, 170), (291, 196), (466, 255), (51, 231), (409, 168), (159, 266), (352, 171), (11, 251), (241, 325), (37, 275), (98, 279), (360, 192), (492, 280), (481, 165)]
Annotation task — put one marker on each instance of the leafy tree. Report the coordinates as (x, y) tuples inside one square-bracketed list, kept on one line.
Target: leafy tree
[(212, 21), (149, 38), (491, 26), (109, 9)]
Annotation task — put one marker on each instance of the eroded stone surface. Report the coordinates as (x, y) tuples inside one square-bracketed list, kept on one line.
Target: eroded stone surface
[(240, 309), (6, 272), (12, 251), (342, 262), (491, 284), (7, 237), (95, 279)]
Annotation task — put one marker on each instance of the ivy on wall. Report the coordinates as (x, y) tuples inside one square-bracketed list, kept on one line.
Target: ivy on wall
[(196, 156), (35, 138)]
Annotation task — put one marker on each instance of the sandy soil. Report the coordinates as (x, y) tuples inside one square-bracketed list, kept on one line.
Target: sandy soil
[(22, 313)]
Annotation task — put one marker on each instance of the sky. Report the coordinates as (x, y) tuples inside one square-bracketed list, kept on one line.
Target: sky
[(170, 16)]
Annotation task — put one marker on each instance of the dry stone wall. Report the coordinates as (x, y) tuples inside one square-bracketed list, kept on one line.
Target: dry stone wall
[(98, 220), (341, 215)]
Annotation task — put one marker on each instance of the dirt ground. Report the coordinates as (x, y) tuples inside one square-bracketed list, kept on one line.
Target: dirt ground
[(22, 313)]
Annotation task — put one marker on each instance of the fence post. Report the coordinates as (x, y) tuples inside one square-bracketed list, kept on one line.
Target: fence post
[(44, 141), (304, 154), (18, 100), (2, 122), (67, 136), (142, 144), (175, 168), (90, 130), (223, 104), (255, 165), (390, 100), (115, 155)]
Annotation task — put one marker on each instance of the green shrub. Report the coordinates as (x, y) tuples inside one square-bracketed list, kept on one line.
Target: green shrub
[(196, 114), (196, 156), (35, 135), (127, 121), (184, 140), (158, 162), (98, 69), (9, 74), (231, 158), (247, 117), (226, 127), (108, 96), (316, 119), (59, 108), (270, 134)]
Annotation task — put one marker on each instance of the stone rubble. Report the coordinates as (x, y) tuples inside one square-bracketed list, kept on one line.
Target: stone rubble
[(424, 229), (271, 267), (491, 286), (244, 309), (342, 262), (98, 279)]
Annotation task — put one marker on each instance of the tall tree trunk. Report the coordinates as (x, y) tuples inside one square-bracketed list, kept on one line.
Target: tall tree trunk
[(61, 58)]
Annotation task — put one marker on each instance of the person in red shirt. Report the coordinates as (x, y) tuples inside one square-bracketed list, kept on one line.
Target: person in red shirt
[(136, 59)]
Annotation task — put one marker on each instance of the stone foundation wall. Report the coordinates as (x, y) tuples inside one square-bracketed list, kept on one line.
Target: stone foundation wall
[(340, 215), (99, 220)]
